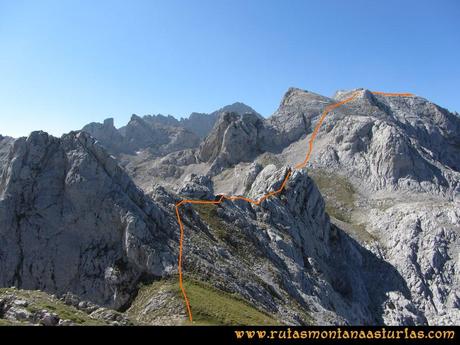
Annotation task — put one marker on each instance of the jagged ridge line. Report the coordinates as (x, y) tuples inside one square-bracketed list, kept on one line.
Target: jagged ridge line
[(325, 112)]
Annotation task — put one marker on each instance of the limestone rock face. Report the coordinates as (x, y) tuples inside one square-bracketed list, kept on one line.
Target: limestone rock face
[(393, 143), (295, 116), (73, 221), (387, 143), (422, 241), (160, 134), (396, 151), (141, 133), (239, 138), (234, 138), (5, 147)]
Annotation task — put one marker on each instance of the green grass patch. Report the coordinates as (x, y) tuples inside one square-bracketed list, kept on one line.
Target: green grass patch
[(340, 197), (208, 213), (239, 242), (214, 307), (4, 322), (210, 306), (338, 193)]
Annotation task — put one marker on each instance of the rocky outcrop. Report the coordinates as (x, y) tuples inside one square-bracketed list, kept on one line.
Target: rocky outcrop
[(5, 147), (197, 187), (158, 134), (201, 124), (234, 138), (295, 117), (107, 135), (26, 307), (141, 132), (73, 221)]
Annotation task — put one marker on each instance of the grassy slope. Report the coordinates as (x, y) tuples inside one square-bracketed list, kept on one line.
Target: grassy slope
[(338, 193), (4, 322), (209, 305), (238, 242)]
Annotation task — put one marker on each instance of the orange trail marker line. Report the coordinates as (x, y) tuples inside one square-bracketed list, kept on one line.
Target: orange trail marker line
[(301, 165), (389, 94)]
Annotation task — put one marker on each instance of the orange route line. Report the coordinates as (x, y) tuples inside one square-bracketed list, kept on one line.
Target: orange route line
[(223, 197)]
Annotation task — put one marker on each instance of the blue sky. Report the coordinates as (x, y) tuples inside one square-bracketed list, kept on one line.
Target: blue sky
[(64, 63)]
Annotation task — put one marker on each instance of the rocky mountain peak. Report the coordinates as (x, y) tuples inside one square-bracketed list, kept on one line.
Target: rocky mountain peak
[(107, 134), (237, 107), (109, 122), (135, 117), (295, 96), (202, 124), (294, 117), (160, 120), (234, 138)]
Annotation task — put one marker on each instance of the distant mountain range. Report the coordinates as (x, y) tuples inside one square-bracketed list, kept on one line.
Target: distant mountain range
[(159, 133)]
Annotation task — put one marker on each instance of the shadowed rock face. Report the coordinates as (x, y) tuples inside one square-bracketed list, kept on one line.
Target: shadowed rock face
[(72, 220), (422, 242)]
